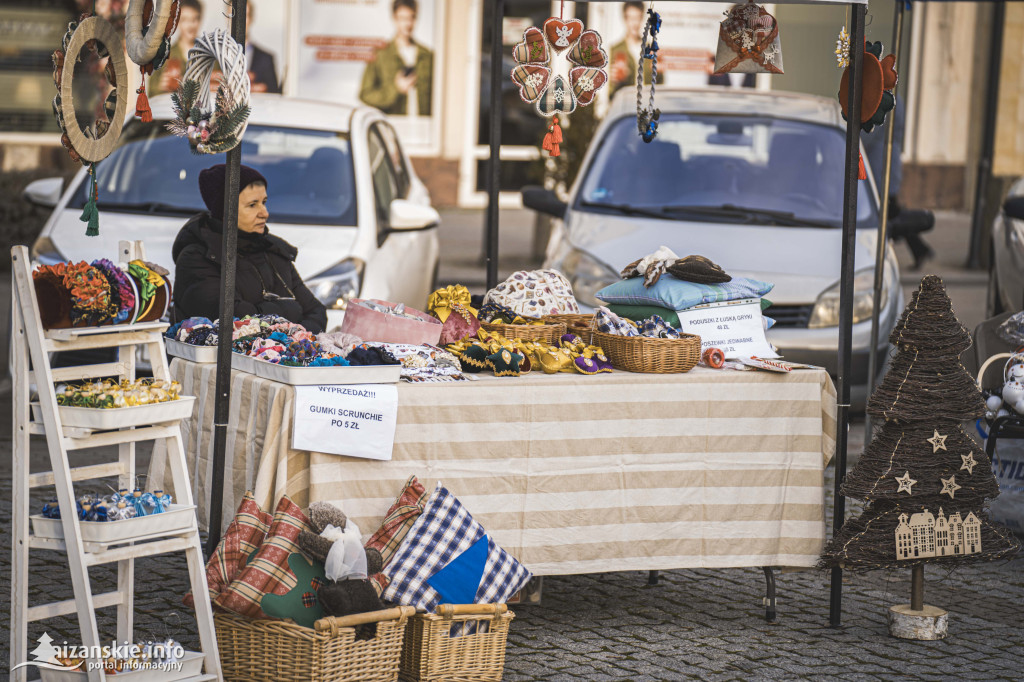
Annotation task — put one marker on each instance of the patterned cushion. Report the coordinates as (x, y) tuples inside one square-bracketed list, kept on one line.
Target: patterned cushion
[(441, 534), (399, 519), (267, 570), (676, 294), (242, 538)]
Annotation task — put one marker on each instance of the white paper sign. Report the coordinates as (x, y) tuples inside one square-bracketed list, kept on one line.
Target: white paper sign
[(736, 329), (356, 420)]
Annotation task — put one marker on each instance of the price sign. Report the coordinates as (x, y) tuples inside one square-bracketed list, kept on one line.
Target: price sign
[(735, 327), (356, 420)]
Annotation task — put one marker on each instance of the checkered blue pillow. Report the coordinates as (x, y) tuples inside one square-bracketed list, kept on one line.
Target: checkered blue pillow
[(442, 533)]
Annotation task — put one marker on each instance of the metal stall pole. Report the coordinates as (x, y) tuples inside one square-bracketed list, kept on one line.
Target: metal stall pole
[(846, 286), (995, 61), (229, 248), (883, 228), (494, 164)]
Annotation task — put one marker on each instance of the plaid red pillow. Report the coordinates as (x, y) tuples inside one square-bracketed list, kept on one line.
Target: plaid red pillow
[(267, 570), (399, 519), (243, 537)]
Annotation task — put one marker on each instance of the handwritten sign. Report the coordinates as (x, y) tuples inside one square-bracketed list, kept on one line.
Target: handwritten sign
[(736, 327), (356, 420)]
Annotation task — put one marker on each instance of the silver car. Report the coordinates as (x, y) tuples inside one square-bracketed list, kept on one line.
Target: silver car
[(752, 180), (1006, 273)]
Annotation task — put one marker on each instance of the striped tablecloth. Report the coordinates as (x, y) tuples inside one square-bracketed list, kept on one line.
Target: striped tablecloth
[(569, 473)]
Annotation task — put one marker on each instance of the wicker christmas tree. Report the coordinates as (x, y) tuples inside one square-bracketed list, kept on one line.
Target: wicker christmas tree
[(925, 479)]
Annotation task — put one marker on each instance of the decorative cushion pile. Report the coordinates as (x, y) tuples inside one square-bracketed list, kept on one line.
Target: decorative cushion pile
[(675, 294)]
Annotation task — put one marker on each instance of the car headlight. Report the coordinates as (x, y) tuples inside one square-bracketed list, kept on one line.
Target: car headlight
[(826, 308), (337, 286), (587, 276)]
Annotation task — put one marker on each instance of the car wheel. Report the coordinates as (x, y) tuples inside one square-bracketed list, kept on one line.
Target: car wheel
[(993, 300)]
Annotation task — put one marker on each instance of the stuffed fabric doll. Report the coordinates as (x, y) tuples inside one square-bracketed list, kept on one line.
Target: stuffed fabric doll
[(346, 565)]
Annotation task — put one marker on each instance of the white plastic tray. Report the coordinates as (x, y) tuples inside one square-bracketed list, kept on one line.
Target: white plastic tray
[(99, 419), (177, 517), (202, 354), (325, 376), (243, 363), (191, 666)]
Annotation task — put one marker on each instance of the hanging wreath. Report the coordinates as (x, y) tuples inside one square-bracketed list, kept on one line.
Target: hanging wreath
[(553, 95), (146, 47), (94, 143), (211, 130), (647, 118)]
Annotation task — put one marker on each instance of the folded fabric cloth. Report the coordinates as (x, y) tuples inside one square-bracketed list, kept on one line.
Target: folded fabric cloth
[(608, 322), (671, 292), (642, 312), (655, 327)]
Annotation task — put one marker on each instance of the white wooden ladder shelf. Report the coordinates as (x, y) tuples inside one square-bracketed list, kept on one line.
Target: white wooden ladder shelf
[(31, 350)]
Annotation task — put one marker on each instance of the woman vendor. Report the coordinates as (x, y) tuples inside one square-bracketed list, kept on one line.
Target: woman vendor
[(266, 282)]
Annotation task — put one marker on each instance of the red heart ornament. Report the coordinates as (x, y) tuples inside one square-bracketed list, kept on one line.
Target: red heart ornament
[(533, 49), (587, 51), (585, 83), (532, 80), (562, 34)]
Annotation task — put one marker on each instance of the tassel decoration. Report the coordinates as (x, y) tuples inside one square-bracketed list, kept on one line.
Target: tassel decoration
[(90, 213), (862, 172), (142, 109), (553, 138)]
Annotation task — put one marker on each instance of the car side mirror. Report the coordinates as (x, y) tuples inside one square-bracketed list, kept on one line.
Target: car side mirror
[(45, 192), (544, 201), (407, 215), (1014, 208)]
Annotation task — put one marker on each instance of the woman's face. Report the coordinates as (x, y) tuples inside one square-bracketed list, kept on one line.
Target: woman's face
[(188, 24), (252, 209)]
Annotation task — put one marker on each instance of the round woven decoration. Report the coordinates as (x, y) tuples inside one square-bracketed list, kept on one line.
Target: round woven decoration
[(92, 149), (217, 128), (141, 41)]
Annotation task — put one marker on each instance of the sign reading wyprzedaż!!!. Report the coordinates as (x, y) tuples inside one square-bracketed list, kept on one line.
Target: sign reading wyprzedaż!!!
[(735, 327), (356, 420)]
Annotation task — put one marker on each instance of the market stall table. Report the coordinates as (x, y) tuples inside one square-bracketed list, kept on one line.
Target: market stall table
[(570, 473)]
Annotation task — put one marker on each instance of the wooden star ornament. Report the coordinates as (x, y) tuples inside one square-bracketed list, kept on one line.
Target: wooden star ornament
[(969, 462), (905, 481), (949, 486), (938, 442)]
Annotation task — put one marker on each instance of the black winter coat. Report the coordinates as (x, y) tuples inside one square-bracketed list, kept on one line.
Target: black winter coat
[(264, 264)]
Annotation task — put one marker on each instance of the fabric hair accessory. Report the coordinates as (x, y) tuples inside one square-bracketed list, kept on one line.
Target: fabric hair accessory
[(154, 290), (122, 290), (748, 41)]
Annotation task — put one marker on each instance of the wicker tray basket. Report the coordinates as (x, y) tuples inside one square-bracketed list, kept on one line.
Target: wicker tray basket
[(279, 651), (644, 354), (430, 654), (574, 322), (547, 333)]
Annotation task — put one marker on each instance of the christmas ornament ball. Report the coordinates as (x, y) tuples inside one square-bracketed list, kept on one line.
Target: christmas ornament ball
[(993, 403), (1002, 413)]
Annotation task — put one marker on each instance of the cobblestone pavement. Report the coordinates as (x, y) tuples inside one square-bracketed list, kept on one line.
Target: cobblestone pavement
[(695, 624)]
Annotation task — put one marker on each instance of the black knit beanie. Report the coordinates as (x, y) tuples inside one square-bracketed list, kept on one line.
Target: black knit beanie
[(211, 185)]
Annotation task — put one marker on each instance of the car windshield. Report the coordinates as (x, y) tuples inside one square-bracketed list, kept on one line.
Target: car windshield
[(727, 168), (309, 173)]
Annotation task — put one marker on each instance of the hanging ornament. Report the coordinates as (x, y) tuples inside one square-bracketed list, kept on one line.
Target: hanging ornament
[(146, 45), (879, 79), (553, 94), (647, 118), (843, 48), (748, 41)]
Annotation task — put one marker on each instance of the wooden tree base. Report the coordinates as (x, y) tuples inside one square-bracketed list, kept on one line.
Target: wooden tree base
[(929, 623)]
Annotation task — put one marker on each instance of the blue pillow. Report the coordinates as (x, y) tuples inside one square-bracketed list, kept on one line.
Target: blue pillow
[(675, 294)]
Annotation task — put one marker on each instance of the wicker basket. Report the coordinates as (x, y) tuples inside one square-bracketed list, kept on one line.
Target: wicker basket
[(645, 354), (279, 651), (430, 654), (548, 333), (576, 323)]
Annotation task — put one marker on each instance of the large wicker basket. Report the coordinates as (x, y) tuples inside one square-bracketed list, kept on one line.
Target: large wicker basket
[(645, 354), (431, 654), (547, 333), (279, 651), (575, 323)]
